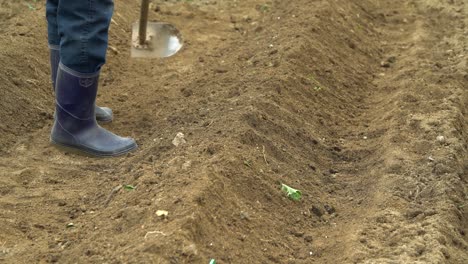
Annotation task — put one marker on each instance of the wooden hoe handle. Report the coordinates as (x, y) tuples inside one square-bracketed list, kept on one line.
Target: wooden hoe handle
[(143, 21)]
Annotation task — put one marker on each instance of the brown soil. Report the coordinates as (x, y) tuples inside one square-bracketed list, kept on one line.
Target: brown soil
[(361, 105)]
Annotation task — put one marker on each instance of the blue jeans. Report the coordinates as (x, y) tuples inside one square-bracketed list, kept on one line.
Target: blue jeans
[(79, 29)]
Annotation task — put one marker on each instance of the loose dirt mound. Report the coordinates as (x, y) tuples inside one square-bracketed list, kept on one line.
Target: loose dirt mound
[(362, 106), (24, 85)]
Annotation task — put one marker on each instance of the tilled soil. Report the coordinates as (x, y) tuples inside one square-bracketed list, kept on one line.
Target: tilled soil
[(361, 105)]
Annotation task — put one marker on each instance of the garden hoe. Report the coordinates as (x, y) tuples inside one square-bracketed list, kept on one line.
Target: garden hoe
[(154, 39)]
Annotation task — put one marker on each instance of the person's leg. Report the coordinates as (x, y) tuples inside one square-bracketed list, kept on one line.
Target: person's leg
[(53, 37), (52, 26), (83, 27), (103, 114)]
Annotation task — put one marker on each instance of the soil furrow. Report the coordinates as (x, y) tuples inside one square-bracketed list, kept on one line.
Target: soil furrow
[(361, 106)]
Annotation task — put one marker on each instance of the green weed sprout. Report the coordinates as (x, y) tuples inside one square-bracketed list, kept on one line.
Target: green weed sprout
[(292, 193)]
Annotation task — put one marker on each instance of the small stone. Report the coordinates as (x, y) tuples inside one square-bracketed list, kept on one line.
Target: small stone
[(441, 139), (179, 139), (385, 64), (162, 213), (244, 216), (114, 50)]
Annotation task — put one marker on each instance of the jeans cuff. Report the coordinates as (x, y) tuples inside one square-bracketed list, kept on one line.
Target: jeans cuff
[(77, 74)]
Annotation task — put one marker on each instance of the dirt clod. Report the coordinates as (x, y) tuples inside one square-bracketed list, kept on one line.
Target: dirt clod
[(316, 211)]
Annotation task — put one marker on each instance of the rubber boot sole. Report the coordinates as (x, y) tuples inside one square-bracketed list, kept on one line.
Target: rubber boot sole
[(89, 153), (104, 121)]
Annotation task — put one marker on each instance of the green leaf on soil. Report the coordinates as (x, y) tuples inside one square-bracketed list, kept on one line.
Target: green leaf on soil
[(129, 187), (292, 193), (264, 8), (213, 261), (30, 6)]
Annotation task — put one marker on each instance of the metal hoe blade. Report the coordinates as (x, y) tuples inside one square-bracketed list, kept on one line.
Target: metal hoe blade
[(154, 39), (163, 40)]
